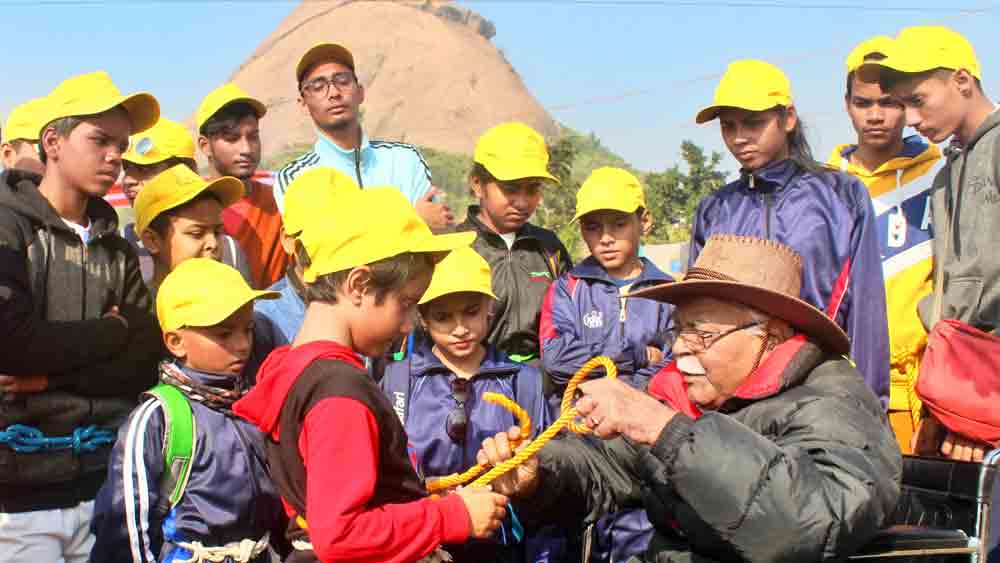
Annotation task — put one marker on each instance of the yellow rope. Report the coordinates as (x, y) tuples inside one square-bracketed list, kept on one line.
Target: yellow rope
[(566, 420)]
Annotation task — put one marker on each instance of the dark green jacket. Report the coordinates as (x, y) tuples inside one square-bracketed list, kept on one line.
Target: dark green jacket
[(970, 177), (521, 278), (807, 473), (53, 292)]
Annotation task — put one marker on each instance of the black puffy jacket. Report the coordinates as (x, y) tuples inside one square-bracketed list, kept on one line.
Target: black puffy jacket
[(522, 275), (805, 470), (54, 291)]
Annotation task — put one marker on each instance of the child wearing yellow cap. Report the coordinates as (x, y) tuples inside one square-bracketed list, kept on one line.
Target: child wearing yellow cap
[(178, 216), (188, 480), (228, 122), (78, 340), (898, 172), (588, 313), (19, 149), (156, 150), (783, 195), (935, 73), (338, 452), (509, 172), (437, 389), (308, 201)]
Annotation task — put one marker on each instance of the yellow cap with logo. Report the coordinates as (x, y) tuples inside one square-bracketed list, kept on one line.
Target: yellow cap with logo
[(202, 292), (463, 270), (880, 44), (928, 47), (222, 97), (751, 85), (176, 186), (512, 151), (311, 195), (24, 122), (609, 188), (163, 141), (371, 225), (321, 53), (95, 93)]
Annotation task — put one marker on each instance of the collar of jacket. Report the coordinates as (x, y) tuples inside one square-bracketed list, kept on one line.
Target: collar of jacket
[(217, 380), (993, 120), (472, 219), (328, 150), (589, 268), (423, 362), (19, 190), (773, 177), (915, 151), (788, 365)]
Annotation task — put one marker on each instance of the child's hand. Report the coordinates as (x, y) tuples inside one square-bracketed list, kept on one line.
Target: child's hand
[(960, 448), (24, 383), (486, 510), (520, 482)]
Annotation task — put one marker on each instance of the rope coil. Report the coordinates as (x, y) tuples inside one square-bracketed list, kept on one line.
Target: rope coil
[(566, 420)]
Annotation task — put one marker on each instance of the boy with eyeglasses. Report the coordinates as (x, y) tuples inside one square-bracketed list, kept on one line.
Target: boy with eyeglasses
[(330, 92)]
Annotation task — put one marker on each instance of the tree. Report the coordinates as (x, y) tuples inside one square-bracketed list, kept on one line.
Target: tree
[(673, 196)]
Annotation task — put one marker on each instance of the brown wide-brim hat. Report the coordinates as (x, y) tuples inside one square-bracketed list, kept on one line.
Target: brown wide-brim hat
[(758, 273)]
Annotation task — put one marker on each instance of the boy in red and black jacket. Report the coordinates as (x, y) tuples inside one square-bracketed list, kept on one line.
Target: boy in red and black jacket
[(337, 450)]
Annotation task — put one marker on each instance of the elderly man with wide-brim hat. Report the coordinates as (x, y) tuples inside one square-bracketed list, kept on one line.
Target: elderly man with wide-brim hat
[(759, 442)]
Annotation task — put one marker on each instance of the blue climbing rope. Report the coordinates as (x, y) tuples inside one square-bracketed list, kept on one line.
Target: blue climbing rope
[(26, 439)]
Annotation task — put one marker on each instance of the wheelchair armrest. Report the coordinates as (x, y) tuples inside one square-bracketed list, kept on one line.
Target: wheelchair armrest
[(904, 538)]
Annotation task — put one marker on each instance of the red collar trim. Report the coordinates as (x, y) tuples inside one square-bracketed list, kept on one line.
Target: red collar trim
[(769, 377), (668, 386)]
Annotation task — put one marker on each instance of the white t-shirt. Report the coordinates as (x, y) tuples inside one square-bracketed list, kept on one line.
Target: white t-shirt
[(509, 239), (82, 232)]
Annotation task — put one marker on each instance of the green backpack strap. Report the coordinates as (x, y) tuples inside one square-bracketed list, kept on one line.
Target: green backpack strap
[(178, 444)]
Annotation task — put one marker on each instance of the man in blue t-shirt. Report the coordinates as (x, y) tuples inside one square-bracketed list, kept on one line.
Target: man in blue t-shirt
[(329, 90)]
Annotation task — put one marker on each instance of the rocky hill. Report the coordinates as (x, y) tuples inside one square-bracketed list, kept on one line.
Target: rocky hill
[(432, 76)]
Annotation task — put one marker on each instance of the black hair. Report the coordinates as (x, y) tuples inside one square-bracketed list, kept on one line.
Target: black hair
[(799, 150), (852, 74), (161, 223), (227, 118), (16, 144), (63, 126), (388, 274)]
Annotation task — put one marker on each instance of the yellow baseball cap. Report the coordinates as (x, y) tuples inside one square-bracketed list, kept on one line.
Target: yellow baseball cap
[(323, 52), (463, 270), (927, 47), (878, 44), (163, 141), (176, 186), (222, 97), (311, 195), (203, 292), (95, 93), (371, 225), (24, 121), (751, 85), (609, 188), (512, 151)]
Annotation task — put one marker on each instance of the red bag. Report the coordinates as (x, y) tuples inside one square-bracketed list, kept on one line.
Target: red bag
[(959, 380)]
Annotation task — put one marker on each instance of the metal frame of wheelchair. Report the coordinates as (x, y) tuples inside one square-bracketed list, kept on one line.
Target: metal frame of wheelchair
[(916, 533)]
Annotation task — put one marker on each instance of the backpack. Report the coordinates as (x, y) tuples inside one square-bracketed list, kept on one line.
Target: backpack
[(179, 442)]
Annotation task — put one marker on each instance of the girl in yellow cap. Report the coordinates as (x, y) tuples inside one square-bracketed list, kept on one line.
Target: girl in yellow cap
[(437, 390), (507, 177), (783, 195)]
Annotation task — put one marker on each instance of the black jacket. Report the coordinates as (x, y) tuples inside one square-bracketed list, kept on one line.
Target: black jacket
[(805, 471), (53, 292), (521, 278)]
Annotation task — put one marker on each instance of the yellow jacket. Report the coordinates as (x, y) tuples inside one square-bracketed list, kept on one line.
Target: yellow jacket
[(900, 191)]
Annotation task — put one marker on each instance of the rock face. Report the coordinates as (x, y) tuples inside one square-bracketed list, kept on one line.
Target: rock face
[(431, 75)]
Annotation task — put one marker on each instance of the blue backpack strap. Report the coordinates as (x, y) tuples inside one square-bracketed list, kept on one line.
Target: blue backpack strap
[(396, 384)]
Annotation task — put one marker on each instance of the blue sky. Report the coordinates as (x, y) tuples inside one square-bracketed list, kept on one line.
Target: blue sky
[(634, 72)]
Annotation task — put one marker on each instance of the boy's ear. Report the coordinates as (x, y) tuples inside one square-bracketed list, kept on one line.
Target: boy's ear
[(152, 242), (645, 222), (204, 145), (964, 81), (287, 242), (357, 284), (50, 142), (476, 186), (791, 119), (174, 341)]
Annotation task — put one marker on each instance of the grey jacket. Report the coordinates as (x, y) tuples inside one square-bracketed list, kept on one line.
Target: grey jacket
[(808, 472), (971, 262)]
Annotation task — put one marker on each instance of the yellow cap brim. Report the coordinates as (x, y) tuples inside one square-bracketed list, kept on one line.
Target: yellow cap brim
[(259, 108), (712, 112), (429, 296), (136, 158), (143, 111), (229, 190), (223, 308), (611, 206), (443, 244), (510, 170), (324, 52)]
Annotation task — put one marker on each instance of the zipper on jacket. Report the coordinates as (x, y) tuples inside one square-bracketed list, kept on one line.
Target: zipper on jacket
[(767, 215), (357, 166)]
